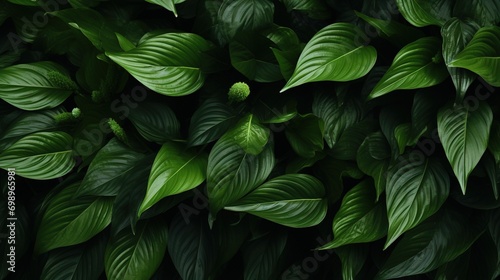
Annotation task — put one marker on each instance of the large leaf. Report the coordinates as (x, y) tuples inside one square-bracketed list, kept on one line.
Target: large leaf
[(482, 55), (261, 256), (191, 247), (416, 65), (238, 16), (175, 170), (426, 12), (167, 4), (77, 262), (35, 86), (353, 258), (69, 220), (456, 35), (464, 133), (156, 122), (136, 256), (485, 12), (438, 240), (336, 53), (210, 121), (111, 163), (416, 188), (169, 63), (250, 135), (349, 142), (360, 218), (337, 114), (293, 200), (41, 155), (305, 135), (373, 158)]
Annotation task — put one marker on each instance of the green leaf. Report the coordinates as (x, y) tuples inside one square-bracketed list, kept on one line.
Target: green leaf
[(191, 247), (305, 135), (482, 55), (69, 221), (416, 65), (111, 163), (209, 122), (456, 35), (426, 12), (423, 115), (24, 2), (35, 86), (293, 200), (240, 16), (136, 256), (484, 12), (436, 241), (464, 133), (40, 156), (402, 134), (353, 257), (360, 218), (261, 256), (394, 31), (250, 135), (416, 189), (275, 110), (346, 148), (337, 114), (232, 173), (494, 140), (316, 9), (373, 159), (156, 122), (336, 53), (169, 64), (494, 229), (167, 4), (332, 172), (175, 170), (76, 263)]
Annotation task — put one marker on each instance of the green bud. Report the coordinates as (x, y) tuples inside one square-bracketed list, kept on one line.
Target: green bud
[(64, 118), (61, 81), (238, 92), (118, 131), (76, 113)]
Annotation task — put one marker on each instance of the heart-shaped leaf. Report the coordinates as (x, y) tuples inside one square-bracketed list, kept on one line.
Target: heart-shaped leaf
[(169, 63), (456, 35), (69, 220), (175, 170), (111, 163), (156, 122), (336, 53), (416, 188), (360, 218), (293, 200), (136, 256), (232, 173), (416, 65), (35, 86), (464, 133), (482, 55), (250, 135), (436, 241), (41, 155)]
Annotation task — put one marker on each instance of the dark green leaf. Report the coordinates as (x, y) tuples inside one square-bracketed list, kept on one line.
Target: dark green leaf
[(261, 256), (353, 258), (167, 4), (305, 135), (426, 12), (156, 122)]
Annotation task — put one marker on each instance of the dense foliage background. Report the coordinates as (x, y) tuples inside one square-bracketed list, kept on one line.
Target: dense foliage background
[(371, 133)]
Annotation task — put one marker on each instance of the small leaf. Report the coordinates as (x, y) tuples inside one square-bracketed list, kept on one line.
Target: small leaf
[(136, 256), (191, 247), (167, 4), (336, 53), (416, 65), (481, 55), (69, 221), (464, 133), (360, 219), (156, 122), (35, 86), (250, 135), (416, 188), (293, 200), (40, 156), (436, 241), (232, 173), (305, 135), (111, 163), (174, 171), (169, 63)]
